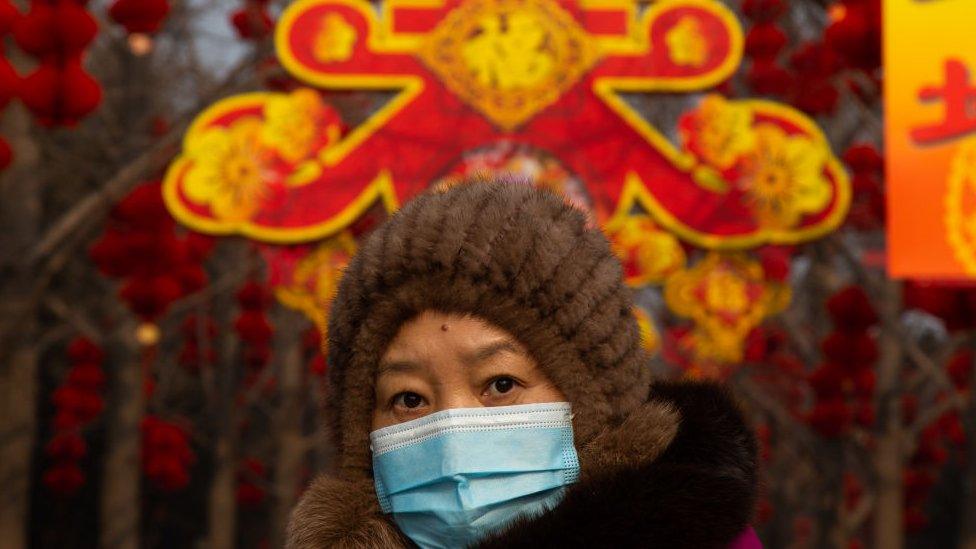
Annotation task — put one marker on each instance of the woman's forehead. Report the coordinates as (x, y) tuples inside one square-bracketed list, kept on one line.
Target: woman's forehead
[(465, 337)]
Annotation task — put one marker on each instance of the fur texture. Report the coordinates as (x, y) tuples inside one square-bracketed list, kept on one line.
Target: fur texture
[(516, 256), (699, 493), (672, 466), (679, 472)]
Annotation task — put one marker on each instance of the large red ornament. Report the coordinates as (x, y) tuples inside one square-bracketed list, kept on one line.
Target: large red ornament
[(575, 63)]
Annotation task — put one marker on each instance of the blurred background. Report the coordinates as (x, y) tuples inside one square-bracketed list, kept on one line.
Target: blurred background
[(184, 180)]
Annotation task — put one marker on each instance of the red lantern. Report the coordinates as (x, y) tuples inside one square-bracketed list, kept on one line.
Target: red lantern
[(150, 297), (851, 310), (86, 376), (61, 30), (253, 296), (9, 16), (830, 418), (252, 22), (960, 369), (60, 95), (850, 348), (816, 96), (765, 41), (83, 350), (64, 479), (856, 34), (66, 446), (139, 16), (166, 454), (253, 327), (9, 82), (143, 209), (767, 77), (864, 158)]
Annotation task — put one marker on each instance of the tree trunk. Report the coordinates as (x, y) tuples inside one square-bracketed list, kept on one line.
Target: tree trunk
[(889, 453), (20, 218), (288, 423), (121, 501), (223, 506), (223, 381)]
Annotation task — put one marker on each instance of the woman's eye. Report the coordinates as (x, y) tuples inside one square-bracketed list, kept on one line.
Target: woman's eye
[(501, 385), (408, 400)]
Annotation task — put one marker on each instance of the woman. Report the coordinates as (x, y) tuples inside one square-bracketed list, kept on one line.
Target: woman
[(463, 333)]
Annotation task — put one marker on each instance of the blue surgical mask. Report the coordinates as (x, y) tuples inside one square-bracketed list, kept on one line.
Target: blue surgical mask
[(453, 477)]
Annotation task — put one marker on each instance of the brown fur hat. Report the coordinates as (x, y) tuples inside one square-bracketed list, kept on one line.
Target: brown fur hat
[(516, 256)]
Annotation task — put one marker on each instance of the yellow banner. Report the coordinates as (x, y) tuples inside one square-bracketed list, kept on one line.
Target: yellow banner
[(930, 137)]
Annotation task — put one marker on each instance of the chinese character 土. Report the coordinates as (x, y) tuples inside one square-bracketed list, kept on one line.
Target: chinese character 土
[(959, 98)]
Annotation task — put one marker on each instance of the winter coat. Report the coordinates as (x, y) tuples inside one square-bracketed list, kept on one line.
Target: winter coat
[(679, 472), (662, 464)]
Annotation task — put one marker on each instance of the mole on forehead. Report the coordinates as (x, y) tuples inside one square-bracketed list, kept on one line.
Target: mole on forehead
[(444, 327)]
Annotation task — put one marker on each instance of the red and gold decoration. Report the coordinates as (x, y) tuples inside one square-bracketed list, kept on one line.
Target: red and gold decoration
[(532, 89), (650, 340), (648, 253), (726, 295), (566, 64), (930, 136), (309, 282)]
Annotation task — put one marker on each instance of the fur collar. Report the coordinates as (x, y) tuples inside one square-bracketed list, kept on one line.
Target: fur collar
[(680, 471)]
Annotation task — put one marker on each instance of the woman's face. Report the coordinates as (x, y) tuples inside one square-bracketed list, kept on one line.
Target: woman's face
[(439, 361)]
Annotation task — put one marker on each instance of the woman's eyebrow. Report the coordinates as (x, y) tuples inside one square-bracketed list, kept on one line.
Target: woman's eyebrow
[(490, 350), (397, 366)]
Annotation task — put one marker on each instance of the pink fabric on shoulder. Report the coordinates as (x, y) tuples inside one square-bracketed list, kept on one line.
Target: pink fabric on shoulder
[(747, 540)]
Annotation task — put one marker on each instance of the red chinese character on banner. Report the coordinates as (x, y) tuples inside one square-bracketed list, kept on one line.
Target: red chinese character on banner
[(960, 105)]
